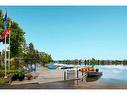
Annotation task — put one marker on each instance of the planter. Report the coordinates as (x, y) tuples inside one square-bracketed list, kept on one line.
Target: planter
[(14, 77), (21, 77)]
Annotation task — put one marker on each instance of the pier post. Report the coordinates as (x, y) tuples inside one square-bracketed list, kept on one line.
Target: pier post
[(82, 73), (77, 73), (64, 75)]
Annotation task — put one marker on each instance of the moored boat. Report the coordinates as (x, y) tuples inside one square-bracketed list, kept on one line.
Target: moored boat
[(67, 67), (52, 67), (91, 72), (94, 74)]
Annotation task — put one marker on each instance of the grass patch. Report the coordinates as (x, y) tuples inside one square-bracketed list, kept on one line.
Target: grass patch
[(3, 81)]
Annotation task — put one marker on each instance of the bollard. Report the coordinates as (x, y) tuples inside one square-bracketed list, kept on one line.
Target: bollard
[(82, 73), (64, 75), (77, 73)]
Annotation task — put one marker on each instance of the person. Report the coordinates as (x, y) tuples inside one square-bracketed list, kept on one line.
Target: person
[(30, 68), (33, 68), (24, 67)]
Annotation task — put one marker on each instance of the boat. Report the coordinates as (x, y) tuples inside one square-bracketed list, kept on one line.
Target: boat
[(91, 72), (52, 66), (92, 79), (66, 67), (94, 74)]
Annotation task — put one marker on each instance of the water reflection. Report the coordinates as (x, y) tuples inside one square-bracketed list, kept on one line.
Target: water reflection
[(113, 73), (86, 80)]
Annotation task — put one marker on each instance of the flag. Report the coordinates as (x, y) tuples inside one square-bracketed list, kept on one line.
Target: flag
[(4, 33), (5, 26), (5, 16), (8, 30), (5, 20)]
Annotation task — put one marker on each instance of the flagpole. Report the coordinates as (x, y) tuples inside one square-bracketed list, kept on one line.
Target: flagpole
[(5, 29), (5, 60), (9, 52)]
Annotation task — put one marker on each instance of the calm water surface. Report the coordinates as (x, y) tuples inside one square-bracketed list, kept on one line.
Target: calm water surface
[(113, 74)]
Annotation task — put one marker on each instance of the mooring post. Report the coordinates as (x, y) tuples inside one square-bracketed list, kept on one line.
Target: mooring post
[(64, 75), (77, 73), (82, 73)]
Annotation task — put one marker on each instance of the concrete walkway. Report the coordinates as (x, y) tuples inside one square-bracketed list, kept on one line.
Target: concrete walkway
[(45, 76)]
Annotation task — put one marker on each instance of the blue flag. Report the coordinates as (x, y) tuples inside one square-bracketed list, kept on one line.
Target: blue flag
[(5, 21)]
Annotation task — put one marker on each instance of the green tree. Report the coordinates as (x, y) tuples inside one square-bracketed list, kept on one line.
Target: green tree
[(17, 40), (45, 58), (93, 62), (30, 53), (18, 46), (31, 50), (1, 22), (17, 37)]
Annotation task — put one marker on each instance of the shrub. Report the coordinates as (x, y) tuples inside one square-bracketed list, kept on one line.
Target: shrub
[(3, 81), (2, 72)]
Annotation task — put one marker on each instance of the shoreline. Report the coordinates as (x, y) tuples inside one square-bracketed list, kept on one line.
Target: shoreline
[(68, 84), (53, 79)]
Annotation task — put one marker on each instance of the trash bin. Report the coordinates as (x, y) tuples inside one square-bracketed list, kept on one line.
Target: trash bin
[(70, 74)]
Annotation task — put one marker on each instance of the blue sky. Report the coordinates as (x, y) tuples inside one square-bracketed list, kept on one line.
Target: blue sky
[(74, 32)]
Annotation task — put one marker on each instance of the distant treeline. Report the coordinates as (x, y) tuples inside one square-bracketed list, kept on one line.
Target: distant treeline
[(93, 62)]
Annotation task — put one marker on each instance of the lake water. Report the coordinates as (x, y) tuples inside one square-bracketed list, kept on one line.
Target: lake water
[(113, 74)]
